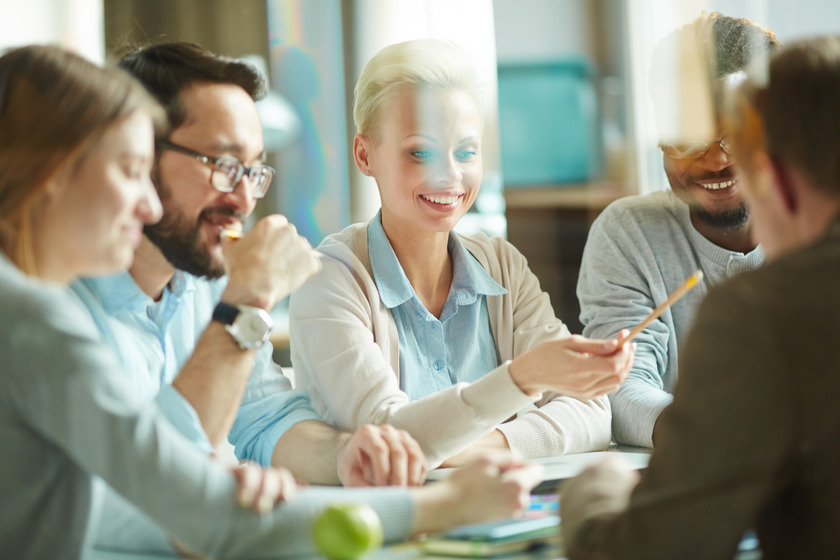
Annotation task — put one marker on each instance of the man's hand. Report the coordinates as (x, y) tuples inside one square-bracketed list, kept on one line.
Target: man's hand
[(380, 456), (262, 488), (601, 489), (268, 263)]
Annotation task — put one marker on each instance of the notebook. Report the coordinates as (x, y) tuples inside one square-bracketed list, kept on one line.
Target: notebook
[(497, 538)]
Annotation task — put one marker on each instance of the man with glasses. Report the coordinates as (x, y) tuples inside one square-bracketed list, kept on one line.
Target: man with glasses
[(190, 319), (642, 248), (227, 171)]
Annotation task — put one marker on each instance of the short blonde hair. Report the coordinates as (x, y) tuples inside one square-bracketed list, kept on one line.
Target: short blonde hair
[(422, 63)]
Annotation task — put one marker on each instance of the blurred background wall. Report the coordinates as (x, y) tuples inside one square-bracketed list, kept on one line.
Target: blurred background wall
[(569, 118)]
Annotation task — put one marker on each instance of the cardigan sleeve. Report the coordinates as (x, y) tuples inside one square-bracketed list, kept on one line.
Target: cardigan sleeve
[(523, 319)]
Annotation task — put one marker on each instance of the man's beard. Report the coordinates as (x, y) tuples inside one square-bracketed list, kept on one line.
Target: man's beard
[(179, 240), (725, 219)]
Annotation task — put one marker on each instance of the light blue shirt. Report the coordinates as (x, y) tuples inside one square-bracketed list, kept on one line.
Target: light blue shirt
[(437, 353), (153, 341)]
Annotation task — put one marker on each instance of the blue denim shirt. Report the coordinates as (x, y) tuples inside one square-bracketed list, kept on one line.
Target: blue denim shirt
[(153, 341), (437, 353)]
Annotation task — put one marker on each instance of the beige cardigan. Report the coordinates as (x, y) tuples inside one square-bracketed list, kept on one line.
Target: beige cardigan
[(345, 352)]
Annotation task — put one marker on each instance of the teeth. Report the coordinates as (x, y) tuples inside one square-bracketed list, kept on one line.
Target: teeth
[(441, 199), (716, 186)]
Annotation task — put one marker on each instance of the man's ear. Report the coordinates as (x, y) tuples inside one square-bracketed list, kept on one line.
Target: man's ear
[(361, 154), (782, 184)]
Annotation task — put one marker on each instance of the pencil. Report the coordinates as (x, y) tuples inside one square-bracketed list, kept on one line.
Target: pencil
[(660, 309)]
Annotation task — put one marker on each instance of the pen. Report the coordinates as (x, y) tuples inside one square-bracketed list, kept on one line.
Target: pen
[(672, 299)]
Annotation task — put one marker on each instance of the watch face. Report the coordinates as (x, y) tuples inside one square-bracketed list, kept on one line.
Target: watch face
[(252, 327)]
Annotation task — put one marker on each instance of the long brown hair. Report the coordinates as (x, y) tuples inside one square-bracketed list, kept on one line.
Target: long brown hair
[(54, 106)]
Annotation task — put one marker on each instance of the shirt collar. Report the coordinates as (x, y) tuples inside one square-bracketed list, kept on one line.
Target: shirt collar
[(468, 281), (119, 291)]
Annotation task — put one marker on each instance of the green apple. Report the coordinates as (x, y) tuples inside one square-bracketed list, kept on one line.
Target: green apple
[(347, 531)]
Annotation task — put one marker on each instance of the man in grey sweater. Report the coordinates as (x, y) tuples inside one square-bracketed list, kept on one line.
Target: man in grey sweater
[(642, 248)]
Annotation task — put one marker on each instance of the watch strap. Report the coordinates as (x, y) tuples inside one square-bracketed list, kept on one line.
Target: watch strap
[(225, 313)]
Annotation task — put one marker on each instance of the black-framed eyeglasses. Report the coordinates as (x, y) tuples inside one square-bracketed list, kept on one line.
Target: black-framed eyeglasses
[(693, 150), (227, 171)]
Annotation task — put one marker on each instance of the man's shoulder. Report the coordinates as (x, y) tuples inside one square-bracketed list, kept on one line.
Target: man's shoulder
[(656, 206), (806, 275), (649, 219)]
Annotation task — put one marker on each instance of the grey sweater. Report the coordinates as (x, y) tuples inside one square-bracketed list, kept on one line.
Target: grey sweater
[(639, 250), (68, 417)]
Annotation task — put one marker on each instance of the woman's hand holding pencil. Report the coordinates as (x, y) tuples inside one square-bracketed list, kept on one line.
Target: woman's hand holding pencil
[(575, 366), (581, 367)]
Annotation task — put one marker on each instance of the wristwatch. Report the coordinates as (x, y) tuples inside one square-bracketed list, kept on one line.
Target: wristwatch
[(249, 326)]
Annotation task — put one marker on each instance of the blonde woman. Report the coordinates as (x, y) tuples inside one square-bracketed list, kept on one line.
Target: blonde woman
[(445, 336), (76, 147)]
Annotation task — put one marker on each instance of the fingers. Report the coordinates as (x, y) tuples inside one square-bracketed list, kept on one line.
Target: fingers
[(268, 263), (622, 362), (523, 479), (605, 387), (288, 485), (364, 460), (248, 482), (496, 485), (417, 468), (382, 456), (375, 448), (261, 489), (598, 373), (597, 347), (399, 455), (406, 463)]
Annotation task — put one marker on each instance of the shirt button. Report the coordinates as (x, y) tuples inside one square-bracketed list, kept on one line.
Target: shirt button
[(438, 365)]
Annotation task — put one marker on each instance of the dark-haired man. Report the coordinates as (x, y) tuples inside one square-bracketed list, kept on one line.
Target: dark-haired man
[(190, 318), (750, 440), (642, 248)]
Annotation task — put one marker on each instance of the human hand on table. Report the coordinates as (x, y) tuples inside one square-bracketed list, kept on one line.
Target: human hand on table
[(262, 488), (258, 488), (381, 456), (575, 366), (492, 487), (603, 488)]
